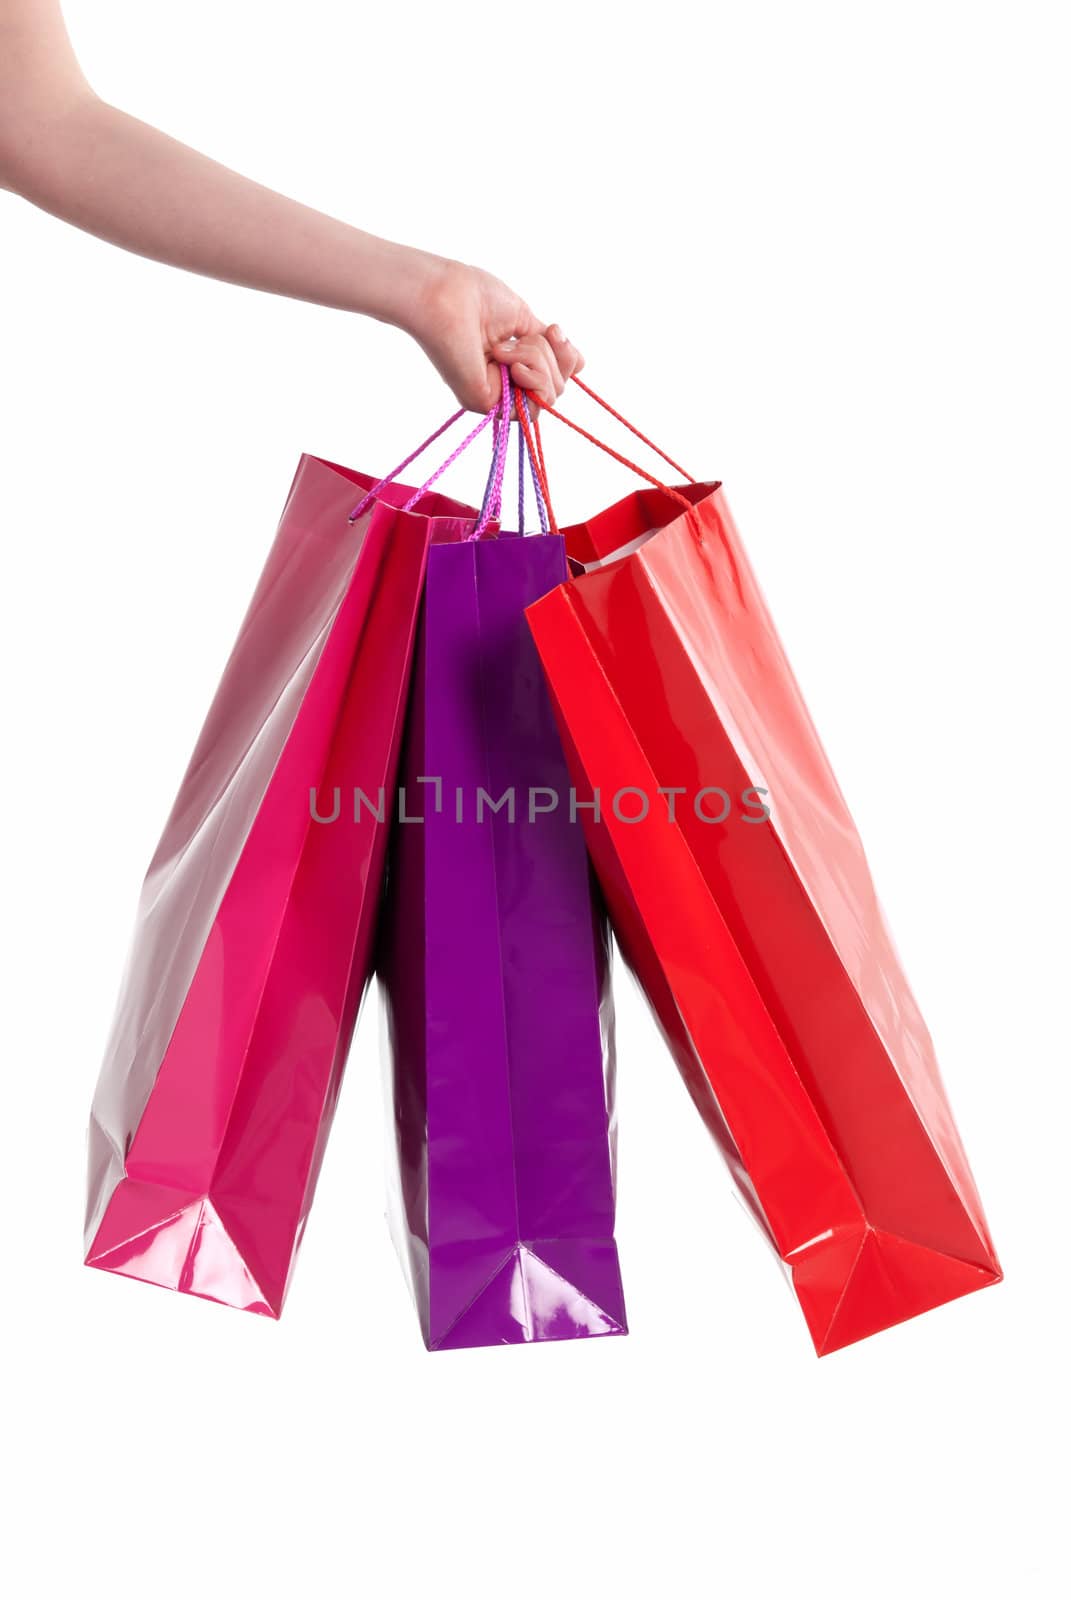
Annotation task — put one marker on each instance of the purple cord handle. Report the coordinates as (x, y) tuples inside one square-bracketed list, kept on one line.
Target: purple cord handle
[(522, 400), (492, 500), (492, 503), (520, 475)]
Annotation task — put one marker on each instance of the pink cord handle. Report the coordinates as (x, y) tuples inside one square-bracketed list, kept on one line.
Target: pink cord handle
[(376, 487), (496, 411)]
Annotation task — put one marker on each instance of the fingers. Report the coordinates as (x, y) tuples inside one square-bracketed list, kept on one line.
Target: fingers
[(568, 357), (531, 379), (542, 363), (532, 364)]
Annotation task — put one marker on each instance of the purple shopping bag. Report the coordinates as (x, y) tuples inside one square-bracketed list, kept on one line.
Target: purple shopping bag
[(494, 965)]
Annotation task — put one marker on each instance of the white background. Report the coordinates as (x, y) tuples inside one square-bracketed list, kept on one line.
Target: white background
[(819, 251)]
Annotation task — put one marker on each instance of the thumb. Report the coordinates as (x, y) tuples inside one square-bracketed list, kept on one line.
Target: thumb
[(478, 386)]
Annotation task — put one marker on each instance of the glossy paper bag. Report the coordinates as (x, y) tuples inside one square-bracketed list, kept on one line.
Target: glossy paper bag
[(254, 932), (494, 967), (759, 941)]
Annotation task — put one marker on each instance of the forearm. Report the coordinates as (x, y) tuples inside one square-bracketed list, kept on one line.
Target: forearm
[(108, 173), (115, 176)]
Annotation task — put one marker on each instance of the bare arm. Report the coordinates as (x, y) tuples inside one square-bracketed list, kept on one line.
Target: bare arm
[(85, 161)]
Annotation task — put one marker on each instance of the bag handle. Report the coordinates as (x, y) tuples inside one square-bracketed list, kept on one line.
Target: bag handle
[(529, 426), (525, 457), (494, 485), (624, 460), (523, 418), (491, 504), (632, 428), (521, 456)]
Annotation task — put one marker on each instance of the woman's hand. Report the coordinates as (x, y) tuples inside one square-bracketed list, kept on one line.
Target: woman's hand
[(467, 321)]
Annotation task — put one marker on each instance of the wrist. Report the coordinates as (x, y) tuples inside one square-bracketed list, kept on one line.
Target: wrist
[(412, 284)]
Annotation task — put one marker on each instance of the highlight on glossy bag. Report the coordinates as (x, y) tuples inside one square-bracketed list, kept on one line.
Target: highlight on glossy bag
[(254, 933), (757, 937), (494, 967)]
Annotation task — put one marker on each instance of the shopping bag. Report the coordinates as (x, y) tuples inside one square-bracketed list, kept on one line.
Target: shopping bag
[(740, 894), (494, 969), (254, 932)]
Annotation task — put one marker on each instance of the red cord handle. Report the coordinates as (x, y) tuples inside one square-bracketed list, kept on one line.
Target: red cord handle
[(624, 460), (632, 428), (535, 456)]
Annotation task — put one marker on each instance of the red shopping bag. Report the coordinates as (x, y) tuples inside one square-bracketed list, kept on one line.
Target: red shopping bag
[(758, 939), (253, 941)]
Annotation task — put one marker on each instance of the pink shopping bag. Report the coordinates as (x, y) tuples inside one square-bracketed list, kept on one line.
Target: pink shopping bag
[(254, 932)]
